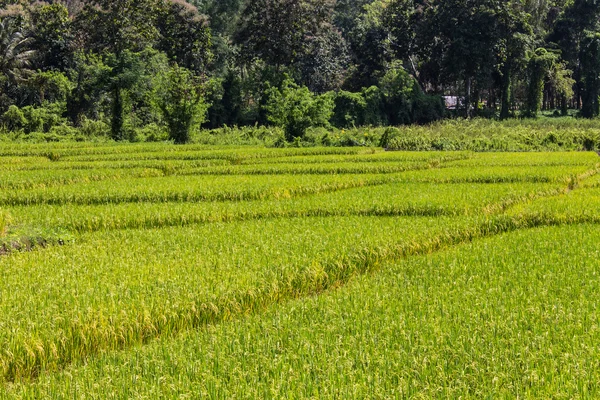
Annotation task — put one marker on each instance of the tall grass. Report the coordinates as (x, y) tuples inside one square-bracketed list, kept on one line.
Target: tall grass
[(4, 221)]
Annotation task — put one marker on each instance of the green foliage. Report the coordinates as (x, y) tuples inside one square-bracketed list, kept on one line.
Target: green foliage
[(184, 35), (179, 98), (374, 109), (427, 109), (295, 109), (34, 119), (349, 109), (539, 66), (91, 128), (481, 135), (397, 87), (5, 220), (51, 86), (225, 97), (590, 63), (51, 30), (404, 102), (14, 118), (43, 119)]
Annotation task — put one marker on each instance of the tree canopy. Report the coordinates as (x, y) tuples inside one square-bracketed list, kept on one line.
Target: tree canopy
[(96, 59)]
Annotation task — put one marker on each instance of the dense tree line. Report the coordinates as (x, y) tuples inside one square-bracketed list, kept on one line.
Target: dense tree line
[(117, 66)]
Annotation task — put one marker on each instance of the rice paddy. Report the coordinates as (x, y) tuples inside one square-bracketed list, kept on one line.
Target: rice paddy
[(153, 271)]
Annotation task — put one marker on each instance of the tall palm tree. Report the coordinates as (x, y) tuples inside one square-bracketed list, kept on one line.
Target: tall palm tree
[(15, 53)]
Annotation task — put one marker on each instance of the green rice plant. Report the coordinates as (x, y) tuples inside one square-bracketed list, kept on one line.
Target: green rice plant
[(512, 316), (90, 165), (575, 206), (593, 181), (115, 289), (22, 180), (15, 163), (394, 199), (5, 220), (114, 151), (232, 154), (528, 159), (309, 169), (164, 239), (189, 189), (498, 174), (372, 156)]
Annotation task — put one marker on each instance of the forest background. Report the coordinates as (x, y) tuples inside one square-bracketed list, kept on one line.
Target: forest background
[(152, 70)]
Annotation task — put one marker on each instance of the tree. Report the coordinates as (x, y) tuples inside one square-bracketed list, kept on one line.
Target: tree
[(50, 86), (590, 65), (51, 31), (369, 41), (275, 31), (120, 28), (323, 65), (515, 38), (125, 70), (180, 100), (184, 35), (540, 63), (16, 53), (91, 77), (470, 30), (295, 109), (577, 18)]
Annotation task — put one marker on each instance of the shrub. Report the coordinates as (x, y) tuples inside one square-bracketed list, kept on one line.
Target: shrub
[(427, 109), (296, 109), (397, 88), (179, 98), (94, 128), (349, 109), (374, 114), (388, 135), (14, 118), (43, 119)]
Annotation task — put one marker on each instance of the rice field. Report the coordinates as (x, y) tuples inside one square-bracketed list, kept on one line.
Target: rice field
[(153, 271)]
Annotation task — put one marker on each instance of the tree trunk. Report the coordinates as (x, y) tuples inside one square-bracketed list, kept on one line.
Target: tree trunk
[(117, 115), (506, 88), (564, 111), (468, 97)]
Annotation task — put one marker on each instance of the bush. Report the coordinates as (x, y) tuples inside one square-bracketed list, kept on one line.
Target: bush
[(427, 109), (179, 98), (374, 107), (14, 118), (397, 88), (94, 128), (388, 135), (349, 109), (295, 109), (43, 119), (34, 119)]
